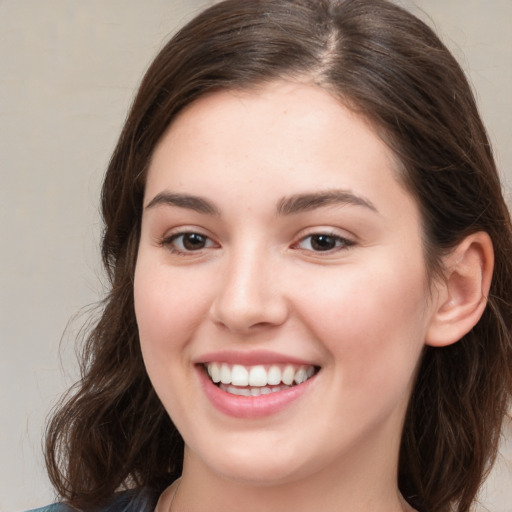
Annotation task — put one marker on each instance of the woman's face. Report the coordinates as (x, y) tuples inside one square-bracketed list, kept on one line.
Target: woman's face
[(278, 246)]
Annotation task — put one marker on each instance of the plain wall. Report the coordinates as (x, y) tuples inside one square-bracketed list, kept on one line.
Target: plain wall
[(68, 71)]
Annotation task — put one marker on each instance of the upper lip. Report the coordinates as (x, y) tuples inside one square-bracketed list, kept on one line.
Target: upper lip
[(250, 358)]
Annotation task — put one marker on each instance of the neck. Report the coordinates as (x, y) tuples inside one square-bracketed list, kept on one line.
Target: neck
[(359, 478), (351, 488)]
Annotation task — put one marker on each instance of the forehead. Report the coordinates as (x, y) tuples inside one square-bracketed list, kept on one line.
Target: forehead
[(310, 107), (287, 135)]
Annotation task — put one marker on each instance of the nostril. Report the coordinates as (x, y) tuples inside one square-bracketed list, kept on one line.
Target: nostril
[(249, 317)]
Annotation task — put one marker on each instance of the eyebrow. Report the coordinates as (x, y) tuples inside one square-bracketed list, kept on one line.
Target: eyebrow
[(198, 204), (298, 203)]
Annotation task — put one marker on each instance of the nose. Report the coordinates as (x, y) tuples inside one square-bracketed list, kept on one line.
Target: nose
[(250, 296)]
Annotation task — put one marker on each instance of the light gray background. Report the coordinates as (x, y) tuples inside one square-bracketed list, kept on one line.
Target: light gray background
[(68, 71)]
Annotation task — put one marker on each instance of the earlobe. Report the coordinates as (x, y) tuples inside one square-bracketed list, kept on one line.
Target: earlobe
[(462, 295)]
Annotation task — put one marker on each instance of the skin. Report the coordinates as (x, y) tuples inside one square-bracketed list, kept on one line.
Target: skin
[(361, 311)]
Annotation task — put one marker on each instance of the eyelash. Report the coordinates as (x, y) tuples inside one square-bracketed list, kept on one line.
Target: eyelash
[(170, 241), (340, 243)]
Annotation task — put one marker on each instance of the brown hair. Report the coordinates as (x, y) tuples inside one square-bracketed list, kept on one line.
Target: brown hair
[(381, 61)]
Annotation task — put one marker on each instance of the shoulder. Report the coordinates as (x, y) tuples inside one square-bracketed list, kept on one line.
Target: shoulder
[(56, 507), (127, 501)]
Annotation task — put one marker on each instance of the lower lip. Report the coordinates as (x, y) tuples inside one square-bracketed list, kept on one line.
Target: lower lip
[(251, 406)]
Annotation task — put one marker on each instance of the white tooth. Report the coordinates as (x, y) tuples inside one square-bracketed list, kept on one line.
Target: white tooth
[(225, 374), (288, 374), (242, 391), (214, 372), (257, 376), (265, 391), (239, 375), (310, 371), (236, 391), (274, 376), (256, 391), (301, 375)]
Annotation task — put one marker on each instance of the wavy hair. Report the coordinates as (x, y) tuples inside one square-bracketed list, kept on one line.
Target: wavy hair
[(111, 431)]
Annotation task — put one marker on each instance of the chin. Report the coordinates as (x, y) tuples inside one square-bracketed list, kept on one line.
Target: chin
[(252, 465)]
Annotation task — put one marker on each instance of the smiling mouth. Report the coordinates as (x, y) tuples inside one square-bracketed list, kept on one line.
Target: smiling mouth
[(258, 380)]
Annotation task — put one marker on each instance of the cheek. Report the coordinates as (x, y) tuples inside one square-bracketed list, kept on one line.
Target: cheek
[(372, 322), (168, 307)]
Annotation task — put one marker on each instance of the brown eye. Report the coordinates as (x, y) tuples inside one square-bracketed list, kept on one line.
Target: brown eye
[(193, 241), (324, 242), (188, 242)]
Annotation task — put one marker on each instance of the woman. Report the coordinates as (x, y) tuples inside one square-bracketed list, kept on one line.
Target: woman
[(309, 256)]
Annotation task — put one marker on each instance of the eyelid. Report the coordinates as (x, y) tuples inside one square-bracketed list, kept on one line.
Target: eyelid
[(346, 242), (343, 240), (170, 237)]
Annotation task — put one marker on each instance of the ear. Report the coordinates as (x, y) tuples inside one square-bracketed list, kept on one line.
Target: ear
[(462, 294)]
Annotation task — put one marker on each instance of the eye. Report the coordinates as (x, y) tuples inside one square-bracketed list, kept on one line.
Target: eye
[(187, 242), (323, 242)]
